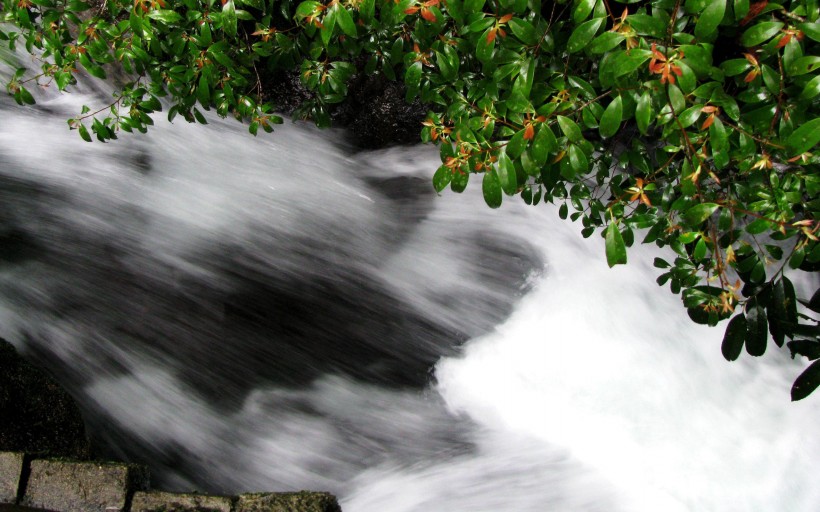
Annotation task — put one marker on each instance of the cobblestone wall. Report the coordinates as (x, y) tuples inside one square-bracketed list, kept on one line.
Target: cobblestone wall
[(61, 485)]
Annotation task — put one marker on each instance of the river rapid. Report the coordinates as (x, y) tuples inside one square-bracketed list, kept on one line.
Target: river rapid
[(285, 312)]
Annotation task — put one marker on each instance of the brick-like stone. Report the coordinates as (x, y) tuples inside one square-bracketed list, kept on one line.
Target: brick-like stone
[(12, 465), (157, 501), (303, 501), (82, 486)]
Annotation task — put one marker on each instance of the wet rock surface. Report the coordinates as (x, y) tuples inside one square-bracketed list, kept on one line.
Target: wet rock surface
[(38, 416)]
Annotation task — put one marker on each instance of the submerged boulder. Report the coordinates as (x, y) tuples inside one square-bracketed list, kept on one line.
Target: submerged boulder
[(38, 416)]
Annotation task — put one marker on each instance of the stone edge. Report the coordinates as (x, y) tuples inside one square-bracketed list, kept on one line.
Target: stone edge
[(323, 499)]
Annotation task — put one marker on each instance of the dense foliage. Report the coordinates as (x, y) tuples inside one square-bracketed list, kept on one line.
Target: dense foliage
[(688, 123)]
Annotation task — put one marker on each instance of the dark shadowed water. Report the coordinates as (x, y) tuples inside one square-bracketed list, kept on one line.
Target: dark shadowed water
[(284, 312)]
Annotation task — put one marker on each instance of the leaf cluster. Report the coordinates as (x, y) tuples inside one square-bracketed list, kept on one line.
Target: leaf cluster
[(692, 124)]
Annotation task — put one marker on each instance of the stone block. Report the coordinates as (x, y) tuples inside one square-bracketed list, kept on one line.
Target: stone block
[(70, 486), (303, 501), (12, 466), (157, 501)]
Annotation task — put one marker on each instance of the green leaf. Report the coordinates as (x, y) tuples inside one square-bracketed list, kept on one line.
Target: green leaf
[(582, 10), (720, 143), (473, 6), (570, 129), (578, 159), (165, 16), (611, 118), (734, 338), (812, 30), (523, 30), (760, 33), (491, 187), (459, 181), (605, 42), (345, 21), (807, 382), (442, 178), (583, 34), (26, 96), (741, 8), (543, 144), (811, 89), (306, 8), (203, 93), (516, 144), (412, 78), (615, 248), (733, 67), (229, 18), (709, 19), (804, 138), (676, 98), (484, 47), (803, 65), (328, 26), (628, 62), (695, 215), (757, 330), (506, 174), (643, 112), (84, 133)]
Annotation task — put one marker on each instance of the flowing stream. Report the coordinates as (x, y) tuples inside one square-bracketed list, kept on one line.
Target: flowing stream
[(285, 312)]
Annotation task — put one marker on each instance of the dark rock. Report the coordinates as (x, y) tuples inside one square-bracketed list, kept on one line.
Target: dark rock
[(38, 415), (375, 111), (303, 501), (83, 486), (383, 117)]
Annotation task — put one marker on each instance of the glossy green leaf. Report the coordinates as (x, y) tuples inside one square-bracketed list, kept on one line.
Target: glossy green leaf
[(615, 247), (516, 144), (757, 331), (626, 63), (760, 33), (485, 46), (582, 10), (165, 16), (709, 19), (578, 159), (491, 187), (807, 382), (811, 89), (442, 178), (804, 138), (720, 143), (812, 30), (543, 144), (734, 337), (229, 18), (803, 65), (643, 112), (605, 42), (506, 174), (523, 30), (570, 128), (345, 21), (611, 118), (583, 34), (84, 133), (696, 215)]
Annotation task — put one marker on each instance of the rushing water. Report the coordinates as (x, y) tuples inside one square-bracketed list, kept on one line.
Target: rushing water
[(285, 312)]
